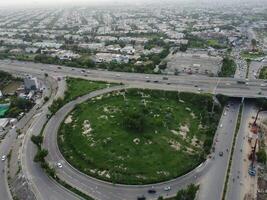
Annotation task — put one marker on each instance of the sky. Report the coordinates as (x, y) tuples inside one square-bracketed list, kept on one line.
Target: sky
[(26, 3)]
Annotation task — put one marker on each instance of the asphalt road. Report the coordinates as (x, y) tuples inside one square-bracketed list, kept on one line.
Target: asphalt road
[(237, 178), (191, 83), (212, 182)]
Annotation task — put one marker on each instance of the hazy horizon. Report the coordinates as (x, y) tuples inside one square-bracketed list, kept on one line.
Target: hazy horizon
[(36, 3)]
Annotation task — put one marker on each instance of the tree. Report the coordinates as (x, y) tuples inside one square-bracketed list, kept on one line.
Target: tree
[(254, 44), (37, 139), (187, 194), (40, 155), (183, 47)]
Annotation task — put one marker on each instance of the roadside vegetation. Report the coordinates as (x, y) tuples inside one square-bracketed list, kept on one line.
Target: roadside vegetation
[(186, 194), (75, 88), (252, 55), (17, 106), (228, 67), (139, 136), (263, 73)]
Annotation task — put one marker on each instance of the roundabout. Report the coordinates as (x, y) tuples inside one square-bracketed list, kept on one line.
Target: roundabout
[(138, 136)]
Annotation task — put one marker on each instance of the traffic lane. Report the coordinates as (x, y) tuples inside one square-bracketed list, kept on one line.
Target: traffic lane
[(212, 183), (5, 147), (41, 68), (235, 186)]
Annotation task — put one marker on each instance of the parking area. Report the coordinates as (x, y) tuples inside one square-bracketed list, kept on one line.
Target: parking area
[(193, 63)]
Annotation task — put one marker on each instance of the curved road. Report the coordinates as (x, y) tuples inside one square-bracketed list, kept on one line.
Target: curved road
[(108, 191)]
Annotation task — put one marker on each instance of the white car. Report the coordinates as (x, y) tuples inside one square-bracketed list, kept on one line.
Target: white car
[(3, 158), (118, 75), (221, 125), (167, 188), (59, 165)]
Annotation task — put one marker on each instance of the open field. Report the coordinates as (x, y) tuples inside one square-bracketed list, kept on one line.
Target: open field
[(139, 136)]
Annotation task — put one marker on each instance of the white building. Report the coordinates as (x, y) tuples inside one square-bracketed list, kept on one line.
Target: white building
[(31, 83)]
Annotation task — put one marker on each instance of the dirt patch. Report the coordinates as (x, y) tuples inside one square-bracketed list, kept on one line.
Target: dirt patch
[(86, 127), (68, 120), (175, 145)]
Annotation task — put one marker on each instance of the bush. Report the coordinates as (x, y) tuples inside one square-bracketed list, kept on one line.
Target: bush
[(261, 156), (38, 140), (187, 194), (40, 155)]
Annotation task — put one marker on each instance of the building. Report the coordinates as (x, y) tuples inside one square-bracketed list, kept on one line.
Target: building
[(31, 83), (3, 124)]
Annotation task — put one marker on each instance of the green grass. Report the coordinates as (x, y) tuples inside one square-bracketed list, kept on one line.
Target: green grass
[(109, 148), (252, 56), (263, 73), (78, 87), (228, 68)]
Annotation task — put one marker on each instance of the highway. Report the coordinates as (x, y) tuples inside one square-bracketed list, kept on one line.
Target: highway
[(190, 83), (212, 182), (239, 179)]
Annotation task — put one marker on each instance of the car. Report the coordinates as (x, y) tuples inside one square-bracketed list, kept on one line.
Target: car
[(224, 113), (221, 153), (156, 81), (59, 165), (147, 77), (151, 191), (200, 89), (195, 85), (141, 198), (147, 81), (59, 67), (118, 75), (168, 83), (165, 78), (263, 85), (259, 93), (167, 188), (3, 158), (221, 125)]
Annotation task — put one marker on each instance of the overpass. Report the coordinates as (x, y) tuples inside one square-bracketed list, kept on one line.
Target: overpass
[(187, 83)]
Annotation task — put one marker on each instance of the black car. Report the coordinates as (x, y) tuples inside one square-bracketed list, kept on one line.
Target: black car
[(141, 198), (151, 191)]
